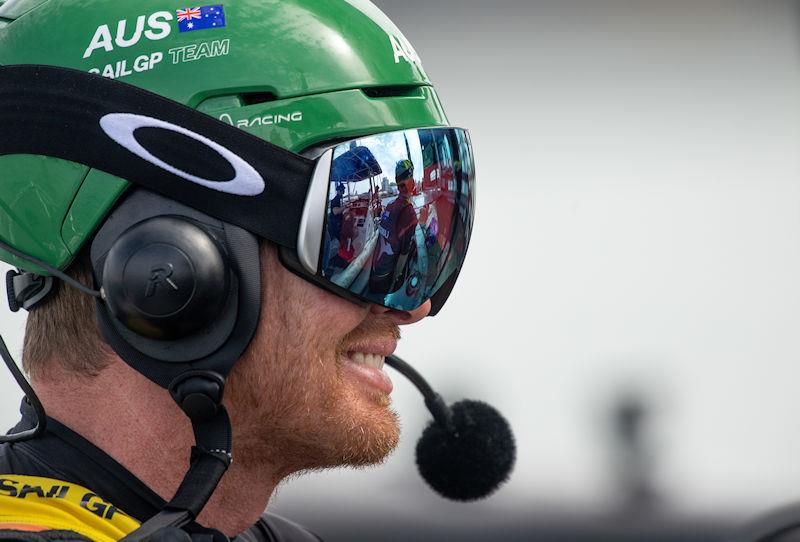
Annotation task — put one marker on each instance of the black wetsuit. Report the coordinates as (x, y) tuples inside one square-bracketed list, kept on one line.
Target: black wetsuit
[(335, 220), (64, 455)]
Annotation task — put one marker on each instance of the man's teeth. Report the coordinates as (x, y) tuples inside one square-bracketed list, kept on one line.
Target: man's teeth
[(372, 360)]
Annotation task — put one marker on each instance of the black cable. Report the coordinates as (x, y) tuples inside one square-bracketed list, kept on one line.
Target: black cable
[(30, 395), (439, 409), (41, 417), (50, 269), (468, 451), (410, 373), (206, 469)]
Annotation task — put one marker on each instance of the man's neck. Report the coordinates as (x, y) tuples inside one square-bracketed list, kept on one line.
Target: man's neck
[(152, 438)]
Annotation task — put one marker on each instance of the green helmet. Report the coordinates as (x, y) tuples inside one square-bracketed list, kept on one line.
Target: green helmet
[(404, 169), (404, 176), (293, 72)]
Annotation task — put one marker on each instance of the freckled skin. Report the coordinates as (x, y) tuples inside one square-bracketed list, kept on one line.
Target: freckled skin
[(291, 406), (288, 393)]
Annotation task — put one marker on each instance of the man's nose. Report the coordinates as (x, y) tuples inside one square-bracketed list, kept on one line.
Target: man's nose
[(402, 318)]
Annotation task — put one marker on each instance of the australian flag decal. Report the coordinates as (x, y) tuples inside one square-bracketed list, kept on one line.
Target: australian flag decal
[(190, 19)]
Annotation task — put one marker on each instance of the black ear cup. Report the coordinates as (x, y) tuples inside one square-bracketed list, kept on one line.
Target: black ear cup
[(181, 289), (166, 278)]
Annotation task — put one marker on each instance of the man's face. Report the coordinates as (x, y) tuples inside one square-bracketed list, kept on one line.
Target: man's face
[(405, 186), (304, 394)]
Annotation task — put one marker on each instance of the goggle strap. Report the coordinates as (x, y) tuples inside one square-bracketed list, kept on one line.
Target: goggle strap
[(57, 112)]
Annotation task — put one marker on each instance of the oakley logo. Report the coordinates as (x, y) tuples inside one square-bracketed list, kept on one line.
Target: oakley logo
[(158, 275), (121, 127)]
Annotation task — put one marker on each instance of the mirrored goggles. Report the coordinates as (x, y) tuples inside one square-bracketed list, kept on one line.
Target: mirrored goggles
[(390, 216), (382, 219)]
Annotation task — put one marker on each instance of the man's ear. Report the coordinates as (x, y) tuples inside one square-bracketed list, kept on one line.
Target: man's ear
[(159, 263)]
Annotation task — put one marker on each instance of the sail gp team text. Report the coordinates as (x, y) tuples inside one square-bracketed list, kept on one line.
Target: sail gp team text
[(177, 55)]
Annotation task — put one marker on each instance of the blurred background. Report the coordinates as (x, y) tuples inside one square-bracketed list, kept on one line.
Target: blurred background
[(631, 298)]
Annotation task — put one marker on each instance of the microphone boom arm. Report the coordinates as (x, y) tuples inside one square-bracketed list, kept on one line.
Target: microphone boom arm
[(439, 409)]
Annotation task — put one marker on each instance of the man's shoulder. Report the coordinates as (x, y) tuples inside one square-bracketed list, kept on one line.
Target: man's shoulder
[(274, 528), (35, 509)]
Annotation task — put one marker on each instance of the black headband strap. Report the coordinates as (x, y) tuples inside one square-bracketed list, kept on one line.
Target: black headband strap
[(156, 143)]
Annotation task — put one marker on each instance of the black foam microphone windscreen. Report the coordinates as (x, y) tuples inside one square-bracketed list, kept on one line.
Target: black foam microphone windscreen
[(471, 456)]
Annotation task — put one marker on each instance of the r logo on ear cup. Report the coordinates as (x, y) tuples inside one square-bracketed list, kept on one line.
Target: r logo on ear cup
[(159, 274), (166, 278)]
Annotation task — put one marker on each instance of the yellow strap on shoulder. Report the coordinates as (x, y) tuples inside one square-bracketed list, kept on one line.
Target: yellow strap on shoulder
[(32, 503)]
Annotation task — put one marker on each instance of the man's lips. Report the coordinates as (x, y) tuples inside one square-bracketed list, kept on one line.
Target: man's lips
[(384, 346), (365, 362)]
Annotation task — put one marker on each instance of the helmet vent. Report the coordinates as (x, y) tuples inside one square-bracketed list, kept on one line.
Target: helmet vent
[(253, 98), (405, 91)]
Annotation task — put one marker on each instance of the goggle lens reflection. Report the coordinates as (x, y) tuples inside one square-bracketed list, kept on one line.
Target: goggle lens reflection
[(399, 214)]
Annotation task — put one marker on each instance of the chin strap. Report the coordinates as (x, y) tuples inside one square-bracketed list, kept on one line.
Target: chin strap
[(211, 457), (26, 290), (30, 396)]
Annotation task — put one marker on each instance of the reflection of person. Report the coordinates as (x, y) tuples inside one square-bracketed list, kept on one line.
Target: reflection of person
[(337, 208), (394, 250), (347, 247), (335, 216)]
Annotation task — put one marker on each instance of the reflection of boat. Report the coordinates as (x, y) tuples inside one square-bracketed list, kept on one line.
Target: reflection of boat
[(440, 198), (357, 164), (437, 177), (359, 207), (362, 207), (357, 226), (356, 270)]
